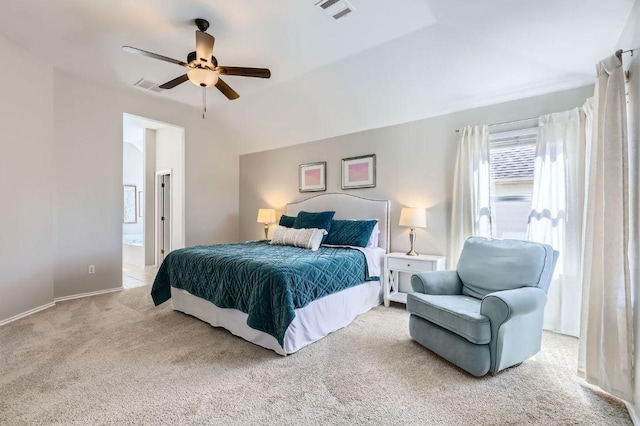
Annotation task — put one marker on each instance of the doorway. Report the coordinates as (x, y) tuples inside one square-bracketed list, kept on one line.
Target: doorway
[(158, 227)]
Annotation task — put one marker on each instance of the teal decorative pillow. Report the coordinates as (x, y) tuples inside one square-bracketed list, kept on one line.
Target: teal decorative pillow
[(287, 221), (354, 233), (321, 220)]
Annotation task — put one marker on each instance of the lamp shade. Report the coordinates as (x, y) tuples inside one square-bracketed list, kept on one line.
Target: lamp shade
[(202, 77), (413, 217), (266, 216)]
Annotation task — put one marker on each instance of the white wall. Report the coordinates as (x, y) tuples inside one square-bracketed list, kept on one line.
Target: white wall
[(170, 156), (133, 174), (149, 196), (630, 39), (88, 141), (415, 165), (26, 181)]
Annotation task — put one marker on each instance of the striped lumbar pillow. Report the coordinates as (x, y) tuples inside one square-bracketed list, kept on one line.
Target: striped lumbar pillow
[(309, 238)]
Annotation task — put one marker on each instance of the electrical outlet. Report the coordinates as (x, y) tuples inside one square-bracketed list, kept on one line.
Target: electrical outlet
[(92, 269)]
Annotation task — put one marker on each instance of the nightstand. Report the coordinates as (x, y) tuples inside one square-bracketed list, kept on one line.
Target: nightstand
[(398, 268)]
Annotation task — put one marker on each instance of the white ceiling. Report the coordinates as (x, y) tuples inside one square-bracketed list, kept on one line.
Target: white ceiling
[(387, 63)]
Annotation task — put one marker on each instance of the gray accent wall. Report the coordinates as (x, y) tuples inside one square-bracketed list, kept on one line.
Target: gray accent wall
[(415, 165)]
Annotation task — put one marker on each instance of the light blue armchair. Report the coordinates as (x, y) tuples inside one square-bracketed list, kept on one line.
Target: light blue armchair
[(487, 315)]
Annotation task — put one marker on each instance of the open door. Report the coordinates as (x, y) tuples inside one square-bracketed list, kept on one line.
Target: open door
[(163, 215)]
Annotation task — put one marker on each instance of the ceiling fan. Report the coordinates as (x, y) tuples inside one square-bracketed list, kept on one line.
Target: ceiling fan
[(203, 68)]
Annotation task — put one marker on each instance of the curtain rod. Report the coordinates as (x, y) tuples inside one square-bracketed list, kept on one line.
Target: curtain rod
[(620, 52), (508, 122)]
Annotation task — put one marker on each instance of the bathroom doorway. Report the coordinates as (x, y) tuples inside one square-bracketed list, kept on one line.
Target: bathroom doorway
[(152, 151)]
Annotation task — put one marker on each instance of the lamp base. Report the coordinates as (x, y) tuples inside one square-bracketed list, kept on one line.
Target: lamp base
[(412, 240), (266, 231)]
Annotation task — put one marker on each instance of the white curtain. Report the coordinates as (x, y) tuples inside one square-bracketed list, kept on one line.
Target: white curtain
[(471, 206), (556, 212), (606, 339)]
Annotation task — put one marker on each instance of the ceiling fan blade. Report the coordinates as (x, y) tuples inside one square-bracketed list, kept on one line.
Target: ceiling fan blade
[(153, 55), (173, 83), (244, 71), (204, 46), (226, 90)]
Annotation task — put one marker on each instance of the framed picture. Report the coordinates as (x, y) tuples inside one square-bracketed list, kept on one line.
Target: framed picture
[(312, 177), (140, 203), (130, 211), (359, 172)]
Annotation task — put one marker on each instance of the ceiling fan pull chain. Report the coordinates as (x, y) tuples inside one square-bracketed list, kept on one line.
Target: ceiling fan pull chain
[(204, 101)]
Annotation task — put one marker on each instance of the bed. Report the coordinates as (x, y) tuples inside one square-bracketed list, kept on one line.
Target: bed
[(264, 313)]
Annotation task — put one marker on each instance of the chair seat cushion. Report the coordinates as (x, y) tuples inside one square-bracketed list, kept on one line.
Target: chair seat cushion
[(458, 314)]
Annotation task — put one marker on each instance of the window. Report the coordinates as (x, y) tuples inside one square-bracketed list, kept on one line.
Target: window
[(512, 158)]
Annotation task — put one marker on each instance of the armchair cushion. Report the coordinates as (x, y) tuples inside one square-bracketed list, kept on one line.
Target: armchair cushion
[(458, 314), (437, 282), (486, 266)]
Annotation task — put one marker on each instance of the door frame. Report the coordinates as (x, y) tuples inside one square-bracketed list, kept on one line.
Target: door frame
[(160, 173)]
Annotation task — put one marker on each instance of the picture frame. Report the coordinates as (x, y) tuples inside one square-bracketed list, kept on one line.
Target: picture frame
[(359, 172), (129, 213), (312, 177), (140, 204)]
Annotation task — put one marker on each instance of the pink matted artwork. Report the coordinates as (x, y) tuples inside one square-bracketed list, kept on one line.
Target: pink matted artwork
[(312, 177), (359, 172)]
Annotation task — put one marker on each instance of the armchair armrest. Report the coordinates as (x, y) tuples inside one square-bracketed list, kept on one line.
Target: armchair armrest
[(501, 306), (437, 282), (516, 324)]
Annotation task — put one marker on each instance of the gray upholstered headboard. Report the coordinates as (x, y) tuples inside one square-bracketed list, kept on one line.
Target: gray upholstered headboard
[(349, 207)]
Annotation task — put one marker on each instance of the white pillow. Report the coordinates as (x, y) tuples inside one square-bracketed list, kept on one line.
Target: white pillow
[(373, 239), (309, 238)]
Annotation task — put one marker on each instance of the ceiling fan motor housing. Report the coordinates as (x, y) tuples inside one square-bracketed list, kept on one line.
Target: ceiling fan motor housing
[(192, 57), (202, 24)]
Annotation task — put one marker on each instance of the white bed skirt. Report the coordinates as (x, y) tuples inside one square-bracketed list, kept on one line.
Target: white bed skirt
[(310, 324)]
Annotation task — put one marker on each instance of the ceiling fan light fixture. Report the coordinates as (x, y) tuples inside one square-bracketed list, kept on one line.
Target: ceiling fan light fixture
[(202, 77)]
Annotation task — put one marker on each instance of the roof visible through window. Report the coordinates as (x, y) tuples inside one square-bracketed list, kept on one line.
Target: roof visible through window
[(512, 155)]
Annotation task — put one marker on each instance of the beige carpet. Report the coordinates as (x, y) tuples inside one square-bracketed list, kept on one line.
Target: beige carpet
[(115, 359)]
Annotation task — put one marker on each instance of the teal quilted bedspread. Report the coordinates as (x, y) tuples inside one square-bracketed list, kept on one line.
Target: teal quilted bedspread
[(264, 281)]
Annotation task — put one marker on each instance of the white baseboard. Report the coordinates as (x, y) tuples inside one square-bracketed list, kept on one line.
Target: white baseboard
[(91, 293), (26, 314), (633, 414), (55, 300)]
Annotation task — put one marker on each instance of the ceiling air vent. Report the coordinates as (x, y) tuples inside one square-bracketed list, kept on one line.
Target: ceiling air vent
[(336, 8), (147, 84)]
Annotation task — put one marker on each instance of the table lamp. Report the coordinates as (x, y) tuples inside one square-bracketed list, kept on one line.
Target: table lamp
[(266, 216), (413, 218)]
